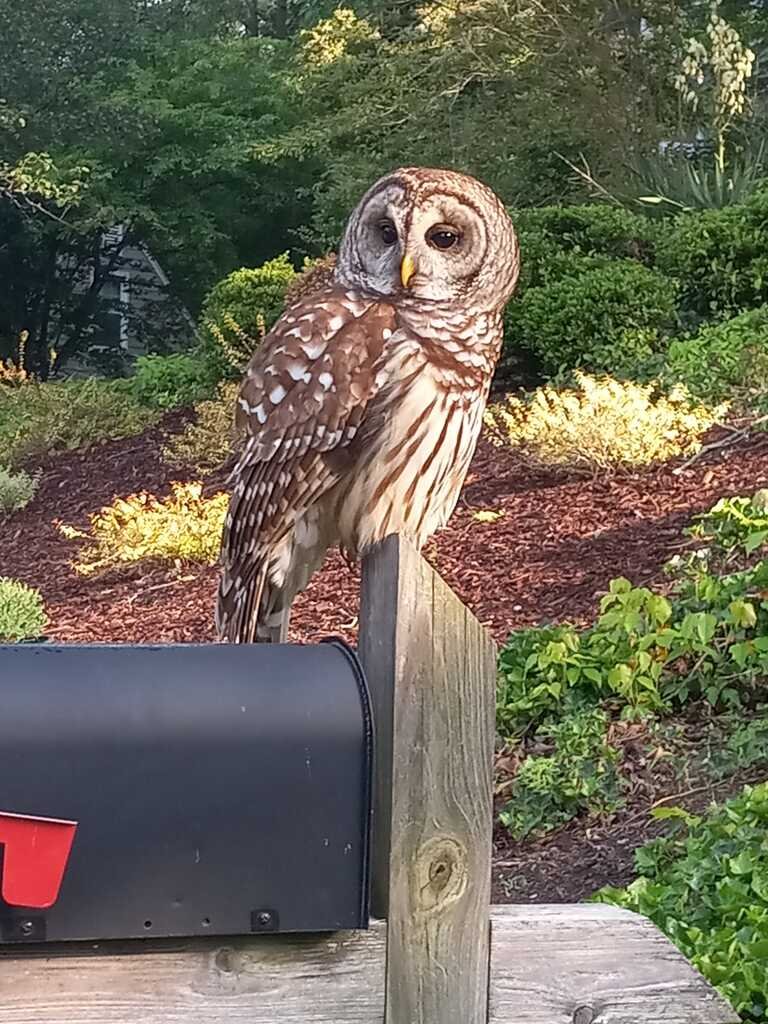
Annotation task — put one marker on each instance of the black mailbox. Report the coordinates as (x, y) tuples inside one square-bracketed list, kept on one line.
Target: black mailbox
[(182, 790)]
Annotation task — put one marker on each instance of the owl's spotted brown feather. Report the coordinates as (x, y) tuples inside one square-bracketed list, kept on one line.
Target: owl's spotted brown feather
[(363, 405)]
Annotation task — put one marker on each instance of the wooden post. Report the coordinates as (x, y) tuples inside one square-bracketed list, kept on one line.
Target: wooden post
[(432, 671)]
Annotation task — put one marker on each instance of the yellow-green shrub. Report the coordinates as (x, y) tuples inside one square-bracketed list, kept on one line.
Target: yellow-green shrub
[(209, 440), (36, 418), (22, 612), (185, 527), (601, 424), (240, 309)]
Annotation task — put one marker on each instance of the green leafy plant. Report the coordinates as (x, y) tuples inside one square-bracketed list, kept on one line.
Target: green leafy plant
[(185, 527), (707, 889), (241, 308), (601, 424), (580, 775), (719, 257), (22, 612), (605, 320), (589, 230), (38, 418), (648, 652), (728, 360), (733, 527), (173, 381), (17, 489)]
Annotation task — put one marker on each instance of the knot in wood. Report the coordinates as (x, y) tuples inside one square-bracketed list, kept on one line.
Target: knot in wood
[(441, 873), (226, 960), (583, 1015)]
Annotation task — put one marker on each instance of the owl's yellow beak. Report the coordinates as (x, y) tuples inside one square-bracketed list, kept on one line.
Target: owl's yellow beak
[(407, 269)]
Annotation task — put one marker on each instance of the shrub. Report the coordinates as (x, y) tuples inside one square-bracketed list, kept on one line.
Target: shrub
[(173, 381), (22, 612), (186, 527), (16, 490), (558, 242), (725, 360), (720, 258), (605, 319), (601, 424), (208, 442), (38, 418), (707, 640), (240, 308), (581, 774), (708, 890), (589, 230)]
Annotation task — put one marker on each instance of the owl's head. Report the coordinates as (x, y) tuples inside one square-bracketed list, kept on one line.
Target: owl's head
[(435, 234)]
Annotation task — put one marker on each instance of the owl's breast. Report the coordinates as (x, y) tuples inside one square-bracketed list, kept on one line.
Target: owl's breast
[(408, 476)]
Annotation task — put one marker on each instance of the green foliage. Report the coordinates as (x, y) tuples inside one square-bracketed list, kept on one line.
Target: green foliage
[(603, 320), (173, 381), (17, 489), (728, 360), (38, 418), (580, 775), (649, 652), (620, 659), (22, 612), (732, 527), (745, 746), (241, 308), (590, 230), (675, 183), (708, 890), (720, 258)]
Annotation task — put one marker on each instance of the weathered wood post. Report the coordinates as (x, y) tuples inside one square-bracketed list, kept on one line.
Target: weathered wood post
[(431, 668)]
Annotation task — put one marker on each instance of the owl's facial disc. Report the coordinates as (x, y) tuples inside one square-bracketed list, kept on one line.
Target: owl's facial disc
[(445, 247), (435, 235)]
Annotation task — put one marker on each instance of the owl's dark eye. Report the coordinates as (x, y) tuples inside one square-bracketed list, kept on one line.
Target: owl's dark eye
[(442, 237), (388, 232)]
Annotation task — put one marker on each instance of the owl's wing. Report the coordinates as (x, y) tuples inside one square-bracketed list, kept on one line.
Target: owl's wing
[(302, 403)]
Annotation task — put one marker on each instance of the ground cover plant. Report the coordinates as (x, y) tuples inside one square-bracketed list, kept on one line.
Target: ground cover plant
[(209, 440), (22, 612), (16, 490), (706, 886), (37, 418), (649, 653), (185, 527), (602, 424)]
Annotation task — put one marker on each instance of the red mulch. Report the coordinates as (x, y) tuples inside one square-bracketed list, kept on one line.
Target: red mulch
[(550, 555), (558, 543)]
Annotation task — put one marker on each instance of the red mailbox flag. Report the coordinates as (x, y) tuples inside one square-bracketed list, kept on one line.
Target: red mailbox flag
[(34, 859)]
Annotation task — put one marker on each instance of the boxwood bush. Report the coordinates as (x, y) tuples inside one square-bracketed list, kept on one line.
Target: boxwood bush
[(605, 319), (240, 308), (173, 381), (727, 360), (22, 612), (720, 258)]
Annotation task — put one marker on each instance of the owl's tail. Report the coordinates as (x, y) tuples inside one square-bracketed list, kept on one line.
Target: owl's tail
[(255, 599), (250, 609)]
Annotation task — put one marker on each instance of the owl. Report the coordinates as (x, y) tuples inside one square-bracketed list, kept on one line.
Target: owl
[(363, 405)]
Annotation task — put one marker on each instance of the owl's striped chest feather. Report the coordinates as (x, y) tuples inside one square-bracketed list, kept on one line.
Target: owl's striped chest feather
[(429, 410)]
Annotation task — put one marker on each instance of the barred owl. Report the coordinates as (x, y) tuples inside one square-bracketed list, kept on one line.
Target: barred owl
[(363, 405)]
